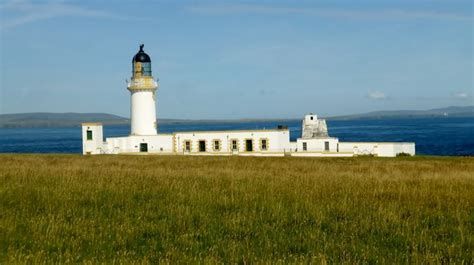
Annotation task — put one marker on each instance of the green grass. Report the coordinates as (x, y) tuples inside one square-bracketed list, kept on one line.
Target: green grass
[(147, 209)]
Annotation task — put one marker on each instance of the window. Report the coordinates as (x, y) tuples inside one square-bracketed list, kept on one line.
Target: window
[(326, 146), (312, 117), (202, 146), (146, 69), (89, 135), (234, 145), (249, 145), (187, 146), (305, 146), (217, 145), (264, 144)]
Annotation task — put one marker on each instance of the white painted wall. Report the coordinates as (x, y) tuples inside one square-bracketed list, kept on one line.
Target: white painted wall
[(407, 148), (293, 146), (277, 141), (93, 146), (143, 112), (161, 143), (317, 144)]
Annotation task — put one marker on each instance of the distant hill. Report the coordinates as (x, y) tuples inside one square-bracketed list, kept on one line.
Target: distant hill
[(70, 119), (467, 111), (46, 119)]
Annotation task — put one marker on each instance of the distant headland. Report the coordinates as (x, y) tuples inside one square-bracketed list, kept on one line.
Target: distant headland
[(70, 119)]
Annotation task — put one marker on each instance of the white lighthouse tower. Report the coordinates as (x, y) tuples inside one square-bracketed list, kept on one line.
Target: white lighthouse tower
[(142, 87)]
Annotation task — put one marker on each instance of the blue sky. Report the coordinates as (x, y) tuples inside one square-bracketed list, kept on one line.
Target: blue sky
[(238, 59)]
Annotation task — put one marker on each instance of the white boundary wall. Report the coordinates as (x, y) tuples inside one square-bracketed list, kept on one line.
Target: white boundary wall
[(385, 149)]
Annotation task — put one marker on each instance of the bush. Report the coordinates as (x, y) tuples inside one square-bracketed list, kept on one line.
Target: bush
[(403, 154)]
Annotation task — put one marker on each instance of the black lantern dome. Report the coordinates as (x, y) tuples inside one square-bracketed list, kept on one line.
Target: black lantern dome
[(141, 56)]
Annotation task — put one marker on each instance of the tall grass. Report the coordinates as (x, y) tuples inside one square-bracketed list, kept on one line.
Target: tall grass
[(148, 209)]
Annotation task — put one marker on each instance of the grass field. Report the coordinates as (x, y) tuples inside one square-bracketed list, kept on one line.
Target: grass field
[(146, 209)]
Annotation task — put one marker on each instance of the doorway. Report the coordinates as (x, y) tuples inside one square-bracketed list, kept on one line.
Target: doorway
[(249, 145), (143, 147), (202, 146)]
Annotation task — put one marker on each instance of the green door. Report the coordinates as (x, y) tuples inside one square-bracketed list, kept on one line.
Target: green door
[(143, 147), (248, 145), (202, 146)]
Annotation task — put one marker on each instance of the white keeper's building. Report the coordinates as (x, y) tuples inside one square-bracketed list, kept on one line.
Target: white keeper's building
[(144, 138)]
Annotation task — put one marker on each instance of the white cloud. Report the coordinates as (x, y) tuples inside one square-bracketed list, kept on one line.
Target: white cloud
[(461, 95), (324, 12), (377, 95), (22, 12), (266, 92)]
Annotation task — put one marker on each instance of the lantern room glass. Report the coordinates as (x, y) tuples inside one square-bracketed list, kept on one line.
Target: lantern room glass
[(143, 70)]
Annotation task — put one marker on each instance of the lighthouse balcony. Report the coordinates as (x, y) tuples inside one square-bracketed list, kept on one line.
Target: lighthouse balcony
[(142, 84)]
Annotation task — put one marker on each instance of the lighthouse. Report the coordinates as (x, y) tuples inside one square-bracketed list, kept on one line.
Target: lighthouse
[(142, 88), (144, 138)]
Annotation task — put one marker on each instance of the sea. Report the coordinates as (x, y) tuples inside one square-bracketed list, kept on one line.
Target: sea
[(450, 136)]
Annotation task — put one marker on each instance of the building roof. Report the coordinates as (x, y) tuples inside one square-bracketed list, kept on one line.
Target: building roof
[(92, 124)]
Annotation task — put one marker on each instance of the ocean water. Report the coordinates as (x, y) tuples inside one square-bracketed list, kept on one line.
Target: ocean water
[(433, 136)]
